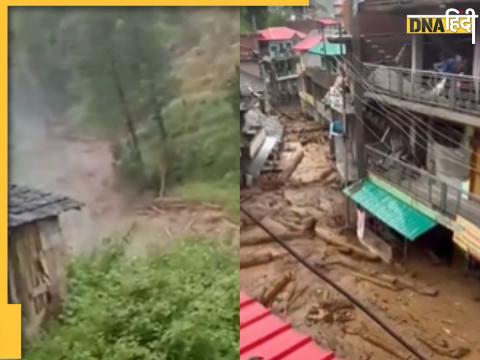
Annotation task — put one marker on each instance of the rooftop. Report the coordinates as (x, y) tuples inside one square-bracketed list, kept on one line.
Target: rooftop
[(26, 205), (281, 33), (328, 22), (328, 49), (308, 43)]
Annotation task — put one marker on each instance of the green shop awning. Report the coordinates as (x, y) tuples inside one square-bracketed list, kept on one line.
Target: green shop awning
[(393, 212), (328, 49)]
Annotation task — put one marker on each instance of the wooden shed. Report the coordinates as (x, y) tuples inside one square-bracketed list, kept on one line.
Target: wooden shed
[(37, 253)]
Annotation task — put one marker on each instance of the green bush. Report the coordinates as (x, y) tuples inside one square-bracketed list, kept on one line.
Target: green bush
[(181, 305)]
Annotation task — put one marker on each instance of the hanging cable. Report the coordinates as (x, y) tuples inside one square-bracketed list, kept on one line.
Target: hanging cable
[(411, 114), (336, 286), (403, 122)]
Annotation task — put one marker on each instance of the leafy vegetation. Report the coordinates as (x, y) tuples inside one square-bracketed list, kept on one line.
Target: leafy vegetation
[(180, 305)]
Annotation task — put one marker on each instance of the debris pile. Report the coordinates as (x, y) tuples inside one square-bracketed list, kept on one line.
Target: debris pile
[(302, 203)]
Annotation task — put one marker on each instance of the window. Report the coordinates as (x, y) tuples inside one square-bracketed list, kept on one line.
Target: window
[(273, 50)]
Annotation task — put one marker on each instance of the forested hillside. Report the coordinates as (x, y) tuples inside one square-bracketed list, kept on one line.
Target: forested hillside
[(113, 107), (154, 83)]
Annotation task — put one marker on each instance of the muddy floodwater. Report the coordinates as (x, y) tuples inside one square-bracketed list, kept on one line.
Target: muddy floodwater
[(432, 305), (65, 162)]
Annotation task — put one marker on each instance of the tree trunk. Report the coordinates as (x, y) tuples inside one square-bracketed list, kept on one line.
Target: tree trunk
[(126, 110), (161, 125), (157, 112)]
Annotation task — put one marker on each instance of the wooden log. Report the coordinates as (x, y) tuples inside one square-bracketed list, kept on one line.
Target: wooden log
[(410, 284), (376, 281), (333, 178), (333, 305), (181, 203), (251, 260), (343, 261), (332, 239), (276, 289), (292, 300), (456, 353), (306, 226), (292, 166), (250, 238), (376, 342), (326, 173), (258, 236)]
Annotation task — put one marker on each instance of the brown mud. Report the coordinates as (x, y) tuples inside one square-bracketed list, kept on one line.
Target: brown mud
[(444, 326)]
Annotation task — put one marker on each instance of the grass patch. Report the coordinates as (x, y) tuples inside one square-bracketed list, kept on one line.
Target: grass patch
[(179, 305), (226, 194)]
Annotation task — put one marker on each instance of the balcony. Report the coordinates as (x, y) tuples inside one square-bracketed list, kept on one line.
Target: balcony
[(321, 77), (423, 186), (458, 93)]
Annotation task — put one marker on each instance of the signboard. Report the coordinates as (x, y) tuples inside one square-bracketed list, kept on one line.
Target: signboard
[(467, 236)]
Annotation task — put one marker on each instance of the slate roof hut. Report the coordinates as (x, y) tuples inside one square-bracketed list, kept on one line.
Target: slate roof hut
[(37, 258)]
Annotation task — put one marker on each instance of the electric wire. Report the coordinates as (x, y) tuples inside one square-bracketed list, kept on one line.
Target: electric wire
[(336, 286), (367, 85), (401, 120)]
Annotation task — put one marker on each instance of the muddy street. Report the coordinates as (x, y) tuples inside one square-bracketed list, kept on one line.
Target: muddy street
[(429, 303)]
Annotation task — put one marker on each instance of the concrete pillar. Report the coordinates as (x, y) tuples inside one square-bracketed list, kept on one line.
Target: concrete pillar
[(417, 56), (476, 66), (417, 52)]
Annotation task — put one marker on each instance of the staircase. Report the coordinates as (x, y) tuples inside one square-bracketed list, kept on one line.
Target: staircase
[(380, 49)]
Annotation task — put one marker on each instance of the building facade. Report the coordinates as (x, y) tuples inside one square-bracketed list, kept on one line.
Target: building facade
[(418, 106)]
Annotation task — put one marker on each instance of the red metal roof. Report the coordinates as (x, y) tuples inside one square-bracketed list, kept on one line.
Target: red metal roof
[(280, 33), (328, 21), (265, 336), (308, 43)]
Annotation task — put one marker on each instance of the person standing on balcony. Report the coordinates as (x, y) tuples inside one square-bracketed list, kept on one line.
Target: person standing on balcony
[(452, 65)]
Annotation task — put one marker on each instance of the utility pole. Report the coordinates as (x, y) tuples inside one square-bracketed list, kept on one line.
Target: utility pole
[(263, 72), (344, 124), (358, 89), (355, 57)]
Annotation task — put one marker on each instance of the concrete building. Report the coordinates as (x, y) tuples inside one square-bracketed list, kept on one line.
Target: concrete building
[(420, 123), (278, 63)]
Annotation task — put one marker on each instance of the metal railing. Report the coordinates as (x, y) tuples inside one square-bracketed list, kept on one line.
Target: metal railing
[(455, 92), (428, 189)]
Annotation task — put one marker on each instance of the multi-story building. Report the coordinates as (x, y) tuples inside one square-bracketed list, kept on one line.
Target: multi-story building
[(320, 88), (419, 108), (319, 76), (278, 63)]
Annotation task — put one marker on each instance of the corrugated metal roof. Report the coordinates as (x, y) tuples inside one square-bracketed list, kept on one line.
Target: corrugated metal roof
[(328, 21), (328, 49), (280, 33), (395, 213), (264, 336), (308, 43), (26, 205)]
